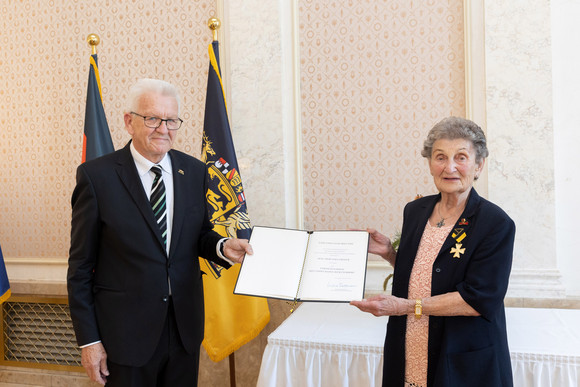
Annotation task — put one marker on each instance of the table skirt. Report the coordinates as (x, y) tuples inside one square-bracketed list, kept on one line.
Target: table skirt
[(332, 345), (315, 364)]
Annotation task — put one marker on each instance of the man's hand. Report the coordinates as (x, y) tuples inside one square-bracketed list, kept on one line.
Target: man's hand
[(235, 249), (94, 359)]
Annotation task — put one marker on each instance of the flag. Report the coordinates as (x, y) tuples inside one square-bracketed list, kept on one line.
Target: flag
[(97, 138), (230, 320), (4, 284)]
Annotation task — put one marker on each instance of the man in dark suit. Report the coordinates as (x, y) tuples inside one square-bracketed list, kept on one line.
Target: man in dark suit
[(134, 281)]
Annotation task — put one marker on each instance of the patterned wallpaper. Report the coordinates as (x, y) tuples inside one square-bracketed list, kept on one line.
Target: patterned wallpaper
[(375, 77), (44, 64)]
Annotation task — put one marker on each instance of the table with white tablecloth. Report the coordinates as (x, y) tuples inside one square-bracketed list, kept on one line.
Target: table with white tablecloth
[(544, 346), (325, 344)]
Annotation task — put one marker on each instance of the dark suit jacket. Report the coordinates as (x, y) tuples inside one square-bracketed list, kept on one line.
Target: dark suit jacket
[(463, 351), (118, 267)]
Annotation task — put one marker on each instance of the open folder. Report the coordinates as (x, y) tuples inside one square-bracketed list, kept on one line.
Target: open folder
[(302, 265)]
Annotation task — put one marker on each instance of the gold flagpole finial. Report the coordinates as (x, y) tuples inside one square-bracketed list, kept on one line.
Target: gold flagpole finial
[(214, 25), (93, 40)]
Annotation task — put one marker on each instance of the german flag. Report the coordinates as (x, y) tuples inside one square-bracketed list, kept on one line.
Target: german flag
[(97, 138)]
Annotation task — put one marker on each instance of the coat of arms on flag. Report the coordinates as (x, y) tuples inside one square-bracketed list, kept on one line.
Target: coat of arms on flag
[(225, 196), (227, 211)]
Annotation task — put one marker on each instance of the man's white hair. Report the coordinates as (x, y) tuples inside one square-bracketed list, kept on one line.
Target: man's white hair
[(148, 85)]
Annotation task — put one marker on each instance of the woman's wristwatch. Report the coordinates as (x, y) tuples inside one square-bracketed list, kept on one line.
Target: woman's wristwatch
[(418, 309)]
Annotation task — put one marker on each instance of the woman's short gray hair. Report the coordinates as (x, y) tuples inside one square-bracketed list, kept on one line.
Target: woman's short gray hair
[(148, 85), (452, 128)]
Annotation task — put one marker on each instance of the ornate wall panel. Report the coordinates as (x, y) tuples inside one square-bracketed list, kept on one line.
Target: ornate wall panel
[(375, 77), (44, 63)]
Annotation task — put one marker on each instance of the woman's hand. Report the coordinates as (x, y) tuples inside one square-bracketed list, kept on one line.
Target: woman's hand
[(384, 305), (381, 245)]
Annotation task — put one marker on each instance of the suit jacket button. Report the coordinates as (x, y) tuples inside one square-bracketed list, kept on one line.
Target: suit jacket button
[(165, 298), (438, 270)]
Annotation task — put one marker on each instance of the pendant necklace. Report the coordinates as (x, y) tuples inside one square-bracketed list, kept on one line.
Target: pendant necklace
[(441, 223)]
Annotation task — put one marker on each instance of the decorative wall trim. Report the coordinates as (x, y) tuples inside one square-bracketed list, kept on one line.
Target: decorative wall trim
[(299, 185), (32, 275), (475, 90), (524, 283), (48, 275), (40, 276), (474, 27), (291, 102), (536, 283), (36, 269)]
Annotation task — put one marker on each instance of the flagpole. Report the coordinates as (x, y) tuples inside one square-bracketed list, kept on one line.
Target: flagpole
[(93, 40), (214, 25)]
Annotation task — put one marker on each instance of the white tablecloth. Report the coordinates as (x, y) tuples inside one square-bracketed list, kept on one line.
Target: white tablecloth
[(325, 345), (337, 345), (544, 346)]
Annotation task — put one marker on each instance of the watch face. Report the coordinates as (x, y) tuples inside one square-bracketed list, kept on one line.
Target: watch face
[(418, 309)]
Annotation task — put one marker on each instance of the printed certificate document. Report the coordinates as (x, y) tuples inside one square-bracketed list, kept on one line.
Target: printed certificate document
[(305, 265)]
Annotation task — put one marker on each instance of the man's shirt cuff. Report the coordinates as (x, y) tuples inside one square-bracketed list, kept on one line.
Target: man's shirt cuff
[(220, 248)]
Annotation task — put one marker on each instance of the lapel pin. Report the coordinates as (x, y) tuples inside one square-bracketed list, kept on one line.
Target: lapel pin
[(181, 172)]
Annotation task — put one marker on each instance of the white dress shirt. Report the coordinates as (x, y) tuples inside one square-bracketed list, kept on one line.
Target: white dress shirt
[(144, 170)]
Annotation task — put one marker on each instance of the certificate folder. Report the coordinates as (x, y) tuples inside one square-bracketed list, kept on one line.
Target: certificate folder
[(302, 265)]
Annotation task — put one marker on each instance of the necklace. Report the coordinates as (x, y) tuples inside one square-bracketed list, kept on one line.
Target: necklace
[(441, 223)]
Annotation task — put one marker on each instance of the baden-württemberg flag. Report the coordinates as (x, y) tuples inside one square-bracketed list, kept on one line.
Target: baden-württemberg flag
[(4, 284), (230, 320), (97, 138)]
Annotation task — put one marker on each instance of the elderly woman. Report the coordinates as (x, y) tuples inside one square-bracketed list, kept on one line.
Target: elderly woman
[(451, 273)]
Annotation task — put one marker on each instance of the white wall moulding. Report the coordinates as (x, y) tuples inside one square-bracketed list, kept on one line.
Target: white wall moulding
[(37, 269), (536, 283), (292, 135), (475, 96), (474, 19), (40, 276)]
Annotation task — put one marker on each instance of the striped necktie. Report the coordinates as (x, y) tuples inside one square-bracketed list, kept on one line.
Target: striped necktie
[(158, 202)]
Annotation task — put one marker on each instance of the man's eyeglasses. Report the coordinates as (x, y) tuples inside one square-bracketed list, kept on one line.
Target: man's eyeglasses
[(155, 122)]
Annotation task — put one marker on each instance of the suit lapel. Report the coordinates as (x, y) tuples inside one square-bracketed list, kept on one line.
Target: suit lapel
[(461, 229), (128, 174), (179, 198)]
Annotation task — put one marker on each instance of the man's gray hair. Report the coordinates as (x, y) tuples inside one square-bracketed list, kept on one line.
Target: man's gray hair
[(148, 85)]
